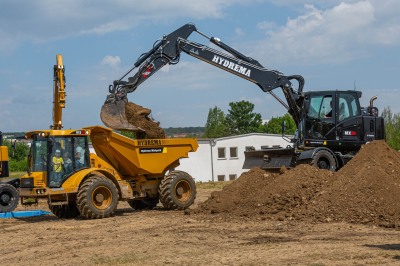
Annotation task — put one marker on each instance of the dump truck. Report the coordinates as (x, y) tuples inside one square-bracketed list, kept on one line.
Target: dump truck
[(77, 182)]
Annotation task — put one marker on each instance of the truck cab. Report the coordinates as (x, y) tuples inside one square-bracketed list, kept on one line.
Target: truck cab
[(54, 156)]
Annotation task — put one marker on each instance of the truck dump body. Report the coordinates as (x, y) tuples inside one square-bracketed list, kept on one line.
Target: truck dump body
[(139, 157)]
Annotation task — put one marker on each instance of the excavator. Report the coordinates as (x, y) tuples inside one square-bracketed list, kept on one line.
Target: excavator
[(331, 125)]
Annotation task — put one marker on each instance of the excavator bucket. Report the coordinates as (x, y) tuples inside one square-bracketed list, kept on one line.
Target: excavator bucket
[(113, 116)]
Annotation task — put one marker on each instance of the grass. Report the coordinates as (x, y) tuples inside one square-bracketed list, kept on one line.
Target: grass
[(213, 185), (17, 174)]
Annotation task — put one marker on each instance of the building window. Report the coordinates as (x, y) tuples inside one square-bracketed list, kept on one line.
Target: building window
[(232, 177), (233, 152), (221, 178), (221, 153)]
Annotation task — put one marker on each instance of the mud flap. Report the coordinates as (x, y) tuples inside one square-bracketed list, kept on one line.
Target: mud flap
[(269, 158), (113, 116)]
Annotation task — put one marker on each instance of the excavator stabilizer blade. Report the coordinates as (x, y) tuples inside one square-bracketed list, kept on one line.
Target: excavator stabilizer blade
[(113, 116)]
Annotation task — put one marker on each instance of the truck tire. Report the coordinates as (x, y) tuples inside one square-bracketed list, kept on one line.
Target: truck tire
[(144, 204), (9, 197), (97, 197), (177, 190), (65, 211), (323, 159)]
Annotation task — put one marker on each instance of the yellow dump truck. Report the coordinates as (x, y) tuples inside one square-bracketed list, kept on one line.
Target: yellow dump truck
[(76, 182)]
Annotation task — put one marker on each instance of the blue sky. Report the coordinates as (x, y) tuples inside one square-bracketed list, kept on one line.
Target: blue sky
[(333, 44)]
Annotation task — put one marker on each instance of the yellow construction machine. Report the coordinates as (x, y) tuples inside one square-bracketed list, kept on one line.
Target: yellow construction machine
[(59, 93), (8, 185), (76, 182)]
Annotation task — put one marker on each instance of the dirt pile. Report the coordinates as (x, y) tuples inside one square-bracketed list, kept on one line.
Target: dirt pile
[(138, 116), (365, 191)]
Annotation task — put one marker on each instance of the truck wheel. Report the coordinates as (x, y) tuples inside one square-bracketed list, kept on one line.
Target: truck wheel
[(324, 160), (9, 197), (97, 197), (144, 204), (177, 190), (65, 211)]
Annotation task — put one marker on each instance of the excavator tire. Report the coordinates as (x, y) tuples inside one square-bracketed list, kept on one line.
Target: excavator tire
[(9, 197), (97, 197), (65, 211), (323, 159), (144, 204), (177, 190)]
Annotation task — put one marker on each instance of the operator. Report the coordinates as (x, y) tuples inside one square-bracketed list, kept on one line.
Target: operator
[(78, 158), (67, 162), (81, 152), (329, 114), (58, 164)]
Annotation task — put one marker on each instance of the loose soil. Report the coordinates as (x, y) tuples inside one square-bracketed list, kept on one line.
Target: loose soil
[(365, 191), (302, 216), (138, 116)]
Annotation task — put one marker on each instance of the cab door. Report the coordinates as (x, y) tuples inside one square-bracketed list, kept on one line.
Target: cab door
[(320, 117)]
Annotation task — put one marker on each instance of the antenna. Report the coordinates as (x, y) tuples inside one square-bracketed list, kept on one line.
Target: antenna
[(355, 85)]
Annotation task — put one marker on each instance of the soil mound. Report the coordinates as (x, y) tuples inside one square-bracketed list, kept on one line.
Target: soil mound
[(365, 191), (138, 116)]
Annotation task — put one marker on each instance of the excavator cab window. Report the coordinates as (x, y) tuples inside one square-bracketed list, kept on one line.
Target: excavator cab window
[(348, 106), (320, 116)]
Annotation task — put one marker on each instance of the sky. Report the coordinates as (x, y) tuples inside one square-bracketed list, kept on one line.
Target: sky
[(334, 45)]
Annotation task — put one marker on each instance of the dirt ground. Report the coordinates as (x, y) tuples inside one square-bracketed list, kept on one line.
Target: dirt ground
[(302, 216), (158, 237)]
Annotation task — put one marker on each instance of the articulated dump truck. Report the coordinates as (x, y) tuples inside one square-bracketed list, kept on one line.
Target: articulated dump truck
[(76, 182)]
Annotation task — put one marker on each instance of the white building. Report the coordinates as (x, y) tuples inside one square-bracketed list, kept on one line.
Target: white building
[(222, 159)]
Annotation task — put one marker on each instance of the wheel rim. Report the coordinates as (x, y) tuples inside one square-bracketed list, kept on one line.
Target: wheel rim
[(183, 190), (102, 197), (323, 164), (5, 199)]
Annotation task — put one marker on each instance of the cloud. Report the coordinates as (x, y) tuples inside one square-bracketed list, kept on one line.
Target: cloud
[(112, 61), (44, 20), (339, 33)]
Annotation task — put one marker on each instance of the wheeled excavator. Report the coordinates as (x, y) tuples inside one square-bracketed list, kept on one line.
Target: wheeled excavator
[(331, 125)]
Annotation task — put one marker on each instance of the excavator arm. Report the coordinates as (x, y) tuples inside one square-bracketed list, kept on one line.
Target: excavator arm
[(59, 93), (167, 51)]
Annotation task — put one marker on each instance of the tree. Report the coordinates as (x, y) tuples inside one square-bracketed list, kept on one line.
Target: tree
[(392, 128), (18, 155), (274, 126), (216, 126), (241, 119)]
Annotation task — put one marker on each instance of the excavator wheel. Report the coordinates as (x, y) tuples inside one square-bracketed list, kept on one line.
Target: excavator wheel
[(177, 190), (65, 211), (144, 204), (113, 116), (8, 198), (97, 197), (323, 159)]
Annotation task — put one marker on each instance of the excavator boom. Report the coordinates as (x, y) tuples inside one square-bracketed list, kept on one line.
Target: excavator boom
[(167, 51), (59, 92)]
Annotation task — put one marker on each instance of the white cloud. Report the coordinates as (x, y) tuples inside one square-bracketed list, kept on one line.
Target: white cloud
[(112, 61), (339, 33), (43, 20)]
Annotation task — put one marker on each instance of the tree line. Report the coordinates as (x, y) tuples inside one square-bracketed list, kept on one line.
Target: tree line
[(241, 119)]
